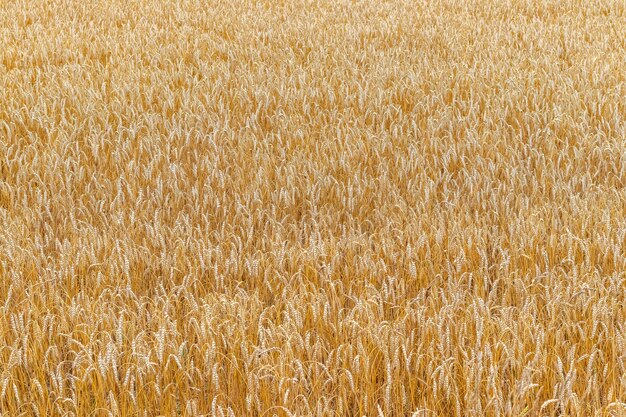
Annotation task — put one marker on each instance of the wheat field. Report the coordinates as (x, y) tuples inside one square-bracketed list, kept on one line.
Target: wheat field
[(312, 208)]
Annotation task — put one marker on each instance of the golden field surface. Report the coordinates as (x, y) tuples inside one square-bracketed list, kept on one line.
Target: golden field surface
[(312, 208)]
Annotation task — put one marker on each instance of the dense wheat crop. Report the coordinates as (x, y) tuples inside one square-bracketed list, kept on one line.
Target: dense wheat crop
[(312, 208)]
